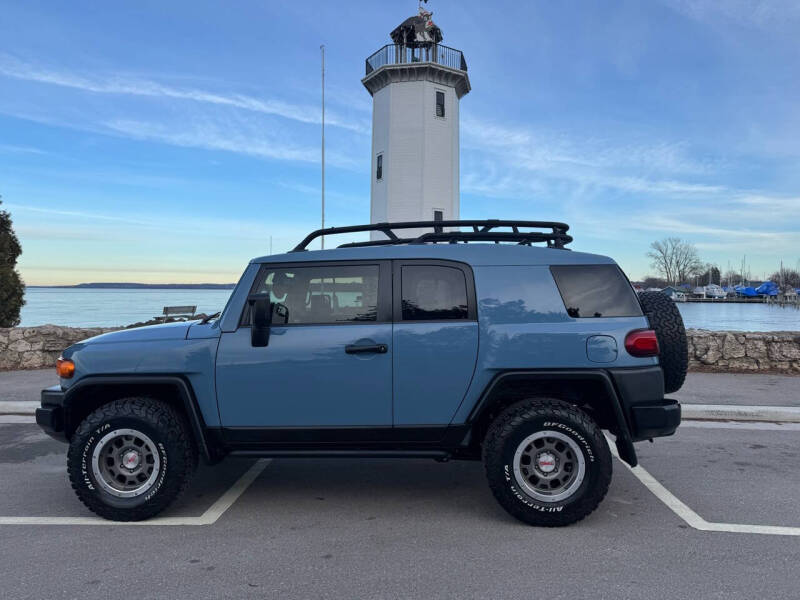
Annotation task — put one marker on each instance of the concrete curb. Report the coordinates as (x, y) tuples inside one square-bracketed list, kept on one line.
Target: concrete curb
[(19, 407), (727, 412)]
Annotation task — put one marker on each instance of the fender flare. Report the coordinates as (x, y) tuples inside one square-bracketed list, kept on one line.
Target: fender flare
[(183, 388), (624, 441)]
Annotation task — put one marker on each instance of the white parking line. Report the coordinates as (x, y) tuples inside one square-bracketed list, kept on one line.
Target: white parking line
[(209, 517), (692, 518)]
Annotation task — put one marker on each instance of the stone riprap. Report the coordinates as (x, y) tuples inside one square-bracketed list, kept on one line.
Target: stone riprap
[(39, 347), (743, 352), (724, 351)]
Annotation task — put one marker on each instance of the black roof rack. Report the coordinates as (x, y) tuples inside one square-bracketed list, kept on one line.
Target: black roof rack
[(481, 231)]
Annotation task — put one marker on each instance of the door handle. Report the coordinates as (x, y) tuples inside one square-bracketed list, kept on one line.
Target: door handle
[(366, 348)]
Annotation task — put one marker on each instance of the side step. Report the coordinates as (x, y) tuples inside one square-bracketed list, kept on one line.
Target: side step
[(439, 455)]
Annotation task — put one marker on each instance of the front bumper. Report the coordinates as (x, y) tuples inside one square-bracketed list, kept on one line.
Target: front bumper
[(50, 416)]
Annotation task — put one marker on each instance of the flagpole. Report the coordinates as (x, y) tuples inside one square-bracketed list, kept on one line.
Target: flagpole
[(322, 50)]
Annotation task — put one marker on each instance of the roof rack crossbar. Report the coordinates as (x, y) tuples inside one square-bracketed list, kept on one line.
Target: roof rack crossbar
[(522, 238), (482, 230)]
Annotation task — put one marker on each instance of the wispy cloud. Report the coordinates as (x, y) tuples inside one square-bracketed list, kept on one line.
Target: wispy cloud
[(115, 84), (503, 160), (20, 149), (242, 139), (750, 13), (75, 213), (544, 149)]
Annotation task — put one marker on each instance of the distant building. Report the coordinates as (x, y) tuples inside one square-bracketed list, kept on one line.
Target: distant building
[(416, 85)]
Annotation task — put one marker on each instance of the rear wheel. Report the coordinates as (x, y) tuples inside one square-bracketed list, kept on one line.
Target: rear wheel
[(547, 462), (131, 458)]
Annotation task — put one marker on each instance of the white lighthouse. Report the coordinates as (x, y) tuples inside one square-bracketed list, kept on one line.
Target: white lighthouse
[(416, 84)]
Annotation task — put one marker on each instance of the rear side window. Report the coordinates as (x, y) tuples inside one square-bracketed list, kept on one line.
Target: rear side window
[(433, 293), (596, 291)]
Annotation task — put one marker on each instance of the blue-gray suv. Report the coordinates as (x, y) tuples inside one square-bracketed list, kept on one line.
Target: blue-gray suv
[(477, 340)]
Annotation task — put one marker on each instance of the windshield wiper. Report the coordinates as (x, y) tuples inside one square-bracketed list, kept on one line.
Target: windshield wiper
[(207, 318)]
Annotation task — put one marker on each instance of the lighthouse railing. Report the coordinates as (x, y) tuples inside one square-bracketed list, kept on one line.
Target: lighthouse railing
[(392, 54)]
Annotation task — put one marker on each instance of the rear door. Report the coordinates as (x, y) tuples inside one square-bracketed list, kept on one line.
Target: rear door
[(435, 340), (329, 358)]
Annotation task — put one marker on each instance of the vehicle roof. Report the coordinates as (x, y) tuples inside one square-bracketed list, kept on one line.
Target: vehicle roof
[(476, 254)]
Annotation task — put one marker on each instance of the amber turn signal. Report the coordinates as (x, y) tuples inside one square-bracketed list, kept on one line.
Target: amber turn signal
[(65, 368)]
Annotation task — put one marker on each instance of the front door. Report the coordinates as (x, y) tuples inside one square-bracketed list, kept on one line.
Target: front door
[(328, 363)]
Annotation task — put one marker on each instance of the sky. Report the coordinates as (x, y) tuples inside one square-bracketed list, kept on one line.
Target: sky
[(170, 141)]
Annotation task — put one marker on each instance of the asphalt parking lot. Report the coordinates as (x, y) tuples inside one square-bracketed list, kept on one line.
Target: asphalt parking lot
[(414, 529)]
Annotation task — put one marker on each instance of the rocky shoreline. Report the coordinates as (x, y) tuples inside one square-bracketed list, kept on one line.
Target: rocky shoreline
[(714, 351), (744, 351)]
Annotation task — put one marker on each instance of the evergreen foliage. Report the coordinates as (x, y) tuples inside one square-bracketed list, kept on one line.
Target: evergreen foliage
[(12, 290)]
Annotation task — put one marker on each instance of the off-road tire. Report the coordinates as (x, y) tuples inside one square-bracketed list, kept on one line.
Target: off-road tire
[(176, 451), (511, 428), (665, 319)]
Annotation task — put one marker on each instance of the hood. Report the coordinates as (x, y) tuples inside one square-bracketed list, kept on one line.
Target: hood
[(165, 331)]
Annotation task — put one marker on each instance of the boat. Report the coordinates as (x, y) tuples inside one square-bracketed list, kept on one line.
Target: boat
[(768, 288), (712, 290), (675, 294)]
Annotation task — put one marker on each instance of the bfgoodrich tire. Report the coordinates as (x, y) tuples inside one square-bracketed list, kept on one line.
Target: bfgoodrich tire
[(131, 458), (547, 462), (666, 321)]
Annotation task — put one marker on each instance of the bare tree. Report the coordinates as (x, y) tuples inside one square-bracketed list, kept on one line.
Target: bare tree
[(654, 282), (786, 277), (675, 260), (731, 278)]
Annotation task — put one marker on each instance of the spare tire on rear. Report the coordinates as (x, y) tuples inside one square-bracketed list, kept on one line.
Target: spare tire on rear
[(666, 320)]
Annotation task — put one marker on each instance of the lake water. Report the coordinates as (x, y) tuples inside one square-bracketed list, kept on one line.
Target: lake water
[(739, 317), (82, 307), (109, 308)]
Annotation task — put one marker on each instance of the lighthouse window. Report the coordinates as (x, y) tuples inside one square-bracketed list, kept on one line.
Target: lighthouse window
[(440, 104), (379, 168)]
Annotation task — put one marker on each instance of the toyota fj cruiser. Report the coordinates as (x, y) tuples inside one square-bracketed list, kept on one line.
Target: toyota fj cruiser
[(465, 341)]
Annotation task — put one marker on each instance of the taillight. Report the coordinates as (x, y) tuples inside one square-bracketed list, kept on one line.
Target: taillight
[(65, 368), (642, 342)]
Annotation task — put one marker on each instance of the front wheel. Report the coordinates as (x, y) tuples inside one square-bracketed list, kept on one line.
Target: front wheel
[(547, 462), (131, 458)]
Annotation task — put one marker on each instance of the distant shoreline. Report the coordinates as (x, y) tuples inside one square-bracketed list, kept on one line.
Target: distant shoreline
[(139, 286)]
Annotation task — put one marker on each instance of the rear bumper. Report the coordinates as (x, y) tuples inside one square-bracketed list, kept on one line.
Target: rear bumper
[(50, 416), (641, 394), (656, 420)]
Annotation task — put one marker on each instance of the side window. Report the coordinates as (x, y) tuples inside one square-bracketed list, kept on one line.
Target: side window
[(596, 291), (320, 295), (379, 167), (440, 104), (432, 293)]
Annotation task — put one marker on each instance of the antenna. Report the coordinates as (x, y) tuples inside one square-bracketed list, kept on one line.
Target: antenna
[(322, 50)]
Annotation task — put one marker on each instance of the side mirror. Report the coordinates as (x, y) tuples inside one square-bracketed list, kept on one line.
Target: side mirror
[(260, 320)]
